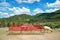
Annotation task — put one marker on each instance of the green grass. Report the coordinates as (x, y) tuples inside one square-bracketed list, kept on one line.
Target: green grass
[(57, 30), (4, 31)]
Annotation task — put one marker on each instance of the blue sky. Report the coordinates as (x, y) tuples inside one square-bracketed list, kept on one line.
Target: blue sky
[(10, 8)]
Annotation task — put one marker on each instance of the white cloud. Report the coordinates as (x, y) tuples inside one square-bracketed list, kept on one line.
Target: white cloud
[(55, 4), (51, 10), (5, 14), (26, 10), (18, 10), (37, 10), (4, 4), (27, 1), (12, 14), (0, 12)]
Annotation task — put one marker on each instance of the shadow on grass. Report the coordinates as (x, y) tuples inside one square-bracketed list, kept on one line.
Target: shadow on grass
[(25, 34)]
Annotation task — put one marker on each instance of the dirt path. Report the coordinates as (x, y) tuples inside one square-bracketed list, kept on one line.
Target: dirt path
[(46, 36)]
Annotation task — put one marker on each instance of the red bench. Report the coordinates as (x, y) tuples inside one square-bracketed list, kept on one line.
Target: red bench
[(25, 27)]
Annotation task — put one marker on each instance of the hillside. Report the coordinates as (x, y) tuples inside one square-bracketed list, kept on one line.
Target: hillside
[(24, 18), (48, 16)]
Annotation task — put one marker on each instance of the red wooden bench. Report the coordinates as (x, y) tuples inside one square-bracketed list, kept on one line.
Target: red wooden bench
[(25, 27)]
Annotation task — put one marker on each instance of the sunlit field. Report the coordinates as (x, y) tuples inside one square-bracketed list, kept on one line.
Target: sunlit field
[(34, 35)]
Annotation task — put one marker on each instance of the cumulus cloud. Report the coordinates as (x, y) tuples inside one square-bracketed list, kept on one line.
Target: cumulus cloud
[(55, 4), (51, 10), (5, 14), (37, 10), (11, 14), (18, 10), (0, 12), (4, 4), (15, 11), (23, 10), (27, 1)]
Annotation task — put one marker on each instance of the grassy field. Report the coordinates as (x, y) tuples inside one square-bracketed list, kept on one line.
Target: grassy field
[(55, 35)]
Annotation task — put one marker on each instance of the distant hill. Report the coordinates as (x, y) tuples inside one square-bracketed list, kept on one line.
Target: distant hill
[(48, 16), (25, 18)]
